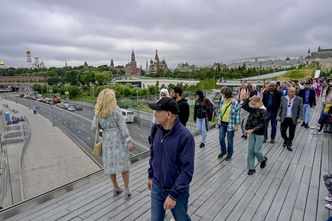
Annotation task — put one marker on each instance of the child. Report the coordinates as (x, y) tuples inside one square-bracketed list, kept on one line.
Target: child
[(255, 128)]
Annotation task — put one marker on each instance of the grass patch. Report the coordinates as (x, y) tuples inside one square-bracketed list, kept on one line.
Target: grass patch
[(298, 74), (89, 99)]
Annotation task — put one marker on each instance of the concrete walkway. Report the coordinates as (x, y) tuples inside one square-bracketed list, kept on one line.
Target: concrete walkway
[(51, 158)]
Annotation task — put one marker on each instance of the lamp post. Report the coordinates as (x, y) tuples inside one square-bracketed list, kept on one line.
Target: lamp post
[(136, 98)]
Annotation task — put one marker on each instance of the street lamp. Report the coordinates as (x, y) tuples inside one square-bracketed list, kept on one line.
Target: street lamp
[(136, 98)]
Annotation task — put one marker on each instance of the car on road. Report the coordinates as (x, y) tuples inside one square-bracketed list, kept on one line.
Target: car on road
[(71, 108), (78, 108), (128, 115)]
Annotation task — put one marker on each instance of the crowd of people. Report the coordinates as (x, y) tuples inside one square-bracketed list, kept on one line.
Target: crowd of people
[(171, 164)]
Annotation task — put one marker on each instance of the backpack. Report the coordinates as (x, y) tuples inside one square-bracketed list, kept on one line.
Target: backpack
[(209, 109)]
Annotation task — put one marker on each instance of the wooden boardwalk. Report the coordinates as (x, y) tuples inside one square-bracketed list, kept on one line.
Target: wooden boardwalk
[(289, 188)]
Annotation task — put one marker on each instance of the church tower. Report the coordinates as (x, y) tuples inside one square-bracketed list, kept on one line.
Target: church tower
[(28, 55), (133, 56), (156, 58), (112, 65)]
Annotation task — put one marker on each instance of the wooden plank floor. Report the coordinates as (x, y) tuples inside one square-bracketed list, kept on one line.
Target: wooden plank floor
[(289, 188)]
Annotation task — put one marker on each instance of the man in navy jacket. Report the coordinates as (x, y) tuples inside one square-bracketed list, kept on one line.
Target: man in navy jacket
[(309, 102), (171, 162)]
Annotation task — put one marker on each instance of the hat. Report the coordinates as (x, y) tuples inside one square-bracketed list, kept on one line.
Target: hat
[(164, 91), (165, 104)]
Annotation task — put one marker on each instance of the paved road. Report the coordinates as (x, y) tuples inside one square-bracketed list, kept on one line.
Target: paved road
[(78, 124)]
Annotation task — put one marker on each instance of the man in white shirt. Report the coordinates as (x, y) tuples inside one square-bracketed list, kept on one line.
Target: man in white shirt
[(290, 113)]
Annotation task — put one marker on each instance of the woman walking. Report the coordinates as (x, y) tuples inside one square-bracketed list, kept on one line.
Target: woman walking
[(116, 139), (255, 128), (200, 111), (228, 122)]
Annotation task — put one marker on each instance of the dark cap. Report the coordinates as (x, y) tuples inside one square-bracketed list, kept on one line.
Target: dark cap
[(165, 104)]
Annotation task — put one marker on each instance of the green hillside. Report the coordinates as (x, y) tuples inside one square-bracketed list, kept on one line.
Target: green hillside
[(298, 74)]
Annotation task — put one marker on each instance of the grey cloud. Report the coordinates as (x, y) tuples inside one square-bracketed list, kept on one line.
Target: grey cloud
[(200, 32)]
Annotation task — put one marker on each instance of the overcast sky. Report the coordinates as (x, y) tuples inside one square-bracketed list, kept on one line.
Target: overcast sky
[(199, 32)]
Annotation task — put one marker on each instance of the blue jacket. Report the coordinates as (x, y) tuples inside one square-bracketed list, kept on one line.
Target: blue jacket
[(172, 159)]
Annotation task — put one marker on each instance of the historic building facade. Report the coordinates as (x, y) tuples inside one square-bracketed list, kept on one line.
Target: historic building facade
[(323, 56), (131, 68), (157, 65)]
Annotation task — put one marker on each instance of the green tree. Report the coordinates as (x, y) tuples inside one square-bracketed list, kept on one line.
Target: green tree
[(73, 91)]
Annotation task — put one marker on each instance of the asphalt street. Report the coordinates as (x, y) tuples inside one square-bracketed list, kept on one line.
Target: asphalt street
[(77, 124)]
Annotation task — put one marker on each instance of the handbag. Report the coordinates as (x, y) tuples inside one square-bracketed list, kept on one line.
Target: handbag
[(97, 148)]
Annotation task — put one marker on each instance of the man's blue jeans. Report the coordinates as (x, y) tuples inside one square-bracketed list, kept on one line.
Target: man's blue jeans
[(230, 139), (273, 118), (201, 127), (306, 113), (158, 197)]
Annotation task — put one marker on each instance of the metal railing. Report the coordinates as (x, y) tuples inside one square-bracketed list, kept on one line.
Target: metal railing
[(4, 164)]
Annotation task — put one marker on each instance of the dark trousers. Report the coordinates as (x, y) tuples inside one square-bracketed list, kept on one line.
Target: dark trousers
[(273, 118), (288, 123), (322, 119)]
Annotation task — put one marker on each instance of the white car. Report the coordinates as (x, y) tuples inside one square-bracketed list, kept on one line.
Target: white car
[(128, 115), (71, 108)]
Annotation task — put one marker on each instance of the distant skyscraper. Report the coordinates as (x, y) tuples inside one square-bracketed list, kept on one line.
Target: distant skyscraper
[(66, 64), (28, 55)]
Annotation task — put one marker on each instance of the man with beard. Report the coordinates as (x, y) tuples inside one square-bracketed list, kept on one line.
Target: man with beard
[(184, 111), (271, 100)]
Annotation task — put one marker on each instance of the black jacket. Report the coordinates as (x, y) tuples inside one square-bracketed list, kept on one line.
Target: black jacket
[(275, 101), (312, 96), (199, 109), (184, 111), (256, 119)]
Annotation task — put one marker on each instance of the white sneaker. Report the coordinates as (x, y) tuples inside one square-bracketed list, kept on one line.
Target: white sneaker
[(328, 198), (314, 127), (328, 206), (316, 132)]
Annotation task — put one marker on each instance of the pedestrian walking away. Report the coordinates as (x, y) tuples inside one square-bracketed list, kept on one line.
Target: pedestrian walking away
[(116, 140)]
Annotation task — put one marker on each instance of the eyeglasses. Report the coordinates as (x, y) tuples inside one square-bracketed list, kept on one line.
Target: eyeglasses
[(289, 104)]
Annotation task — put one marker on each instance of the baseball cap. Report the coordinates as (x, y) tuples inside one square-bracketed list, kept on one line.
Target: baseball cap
[(165, 104)]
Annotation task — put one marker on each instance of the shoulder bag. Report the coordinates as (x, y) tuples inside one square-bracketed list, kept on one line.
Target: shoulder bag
[(97, 148)]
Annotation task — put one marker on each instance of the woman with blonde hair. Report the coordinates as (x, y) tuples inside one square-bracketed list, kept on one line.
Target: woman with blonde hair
[(116, 139), (255, 127)]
